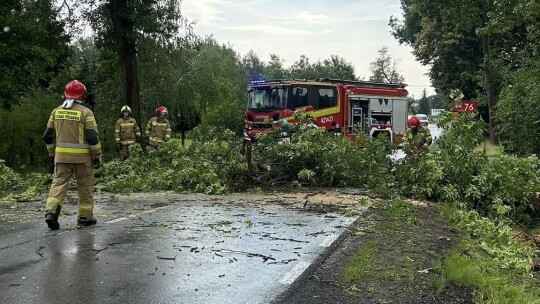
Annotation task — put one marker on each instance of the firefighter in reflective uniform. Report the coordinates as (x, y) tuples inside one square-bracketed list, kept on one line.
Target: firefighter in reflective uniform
[(417, 139), (126, 131), (158, 128), (73, 145)]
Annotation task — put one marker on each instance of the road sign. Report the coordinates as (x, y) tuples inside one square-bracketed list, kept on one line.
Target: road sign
[(436, 112), (466, 106), (456, 95)]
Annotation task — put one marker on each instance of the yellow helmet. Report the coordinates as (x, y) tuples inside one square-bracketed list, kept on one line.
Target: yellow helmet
[(125, 108)]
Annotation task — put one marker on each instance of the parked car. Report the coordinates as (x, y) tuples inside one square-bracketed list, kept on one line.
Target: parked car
[(423, 119)]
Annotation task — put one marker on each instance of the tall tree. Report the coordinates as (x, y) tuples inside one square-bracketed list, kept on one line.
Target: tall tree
[(465, 42), (121, 25), (33, 47), (438, 101), (275, 69), (254, 66), (216, 64), (303, 69), (334, 67), (384, 68), (423, 104)]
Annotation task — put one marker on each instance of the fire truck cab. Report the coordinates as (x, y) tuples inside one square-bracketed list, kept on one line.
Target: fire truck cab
[(341, 106)]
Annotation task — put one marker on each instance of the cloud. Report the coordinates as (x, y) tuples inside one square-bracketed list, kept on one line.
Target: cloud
[(269, 29), (206, 12), (354, 30), (303, 18), (365, 18), (311, 18)]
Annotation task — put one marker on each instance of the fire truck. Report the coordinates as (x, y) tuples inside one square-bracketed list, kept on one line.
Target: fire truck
[(341, 106)]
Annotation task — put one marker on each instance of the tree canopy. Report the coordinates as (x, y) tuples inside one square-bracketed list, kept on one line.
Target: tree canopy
[(384, 68), (33, 48), (470, 46)]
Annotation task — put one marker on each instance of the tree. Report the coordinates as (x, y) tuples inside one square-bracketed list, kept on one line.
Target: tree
[(253, 65), (423, 104), (438, 101), (33, 48), (303, 69), (384, 68), (456, 38), (121, 25), (275, 69), (334, 67), (216, 63), (519, 112), (228, 113)]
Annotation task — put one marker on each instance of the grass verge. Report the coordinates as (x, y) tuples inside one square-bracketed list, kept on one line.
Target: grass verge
[(415, 253), (490, 149), (490, 261)]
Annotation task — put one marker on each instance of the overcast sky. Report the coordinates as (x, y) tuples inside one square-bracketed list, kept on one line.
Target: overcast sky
[(352, 29)]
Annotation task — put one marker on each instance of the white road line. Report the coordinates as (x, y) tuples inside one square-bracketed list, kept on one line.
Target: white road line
[(294, 273), (328, 240), (116, 220)]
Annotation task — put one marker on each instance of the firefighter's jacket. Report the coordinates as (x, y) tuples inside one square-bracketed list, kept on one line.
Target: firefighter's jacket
[(72, 136), (158, 130), (126, 131), (416, 142)]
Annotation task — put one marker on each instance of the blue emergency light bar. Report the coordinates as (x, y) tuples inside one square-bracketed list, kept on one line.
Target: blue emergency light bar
[(263, 81)]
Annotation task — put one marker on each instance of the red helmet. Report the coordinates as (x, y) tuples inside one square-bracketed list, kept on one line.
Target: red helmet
[(75, 90), (414, 122), (161, 110)]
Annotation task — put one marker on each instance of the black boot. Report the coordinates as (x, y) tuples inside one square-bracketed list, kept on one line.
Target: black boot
[(85, 222), (52, 218)]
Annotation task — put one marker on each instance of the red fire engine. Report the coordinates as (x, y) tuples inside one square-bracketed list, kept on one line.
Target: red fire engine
[(342, 106)]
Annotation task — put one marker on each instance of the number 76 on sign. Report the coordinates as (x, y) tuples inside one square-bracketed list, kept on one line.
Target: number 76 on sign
[(467, 106)]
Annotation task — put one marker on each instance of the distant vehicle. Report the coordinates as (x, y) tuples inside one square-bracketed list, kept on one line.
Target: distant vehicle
[(424, 121)]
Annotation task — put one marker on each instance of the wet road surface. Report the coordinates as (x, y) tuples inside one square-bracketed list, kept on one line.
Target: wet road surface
[(162, 249)]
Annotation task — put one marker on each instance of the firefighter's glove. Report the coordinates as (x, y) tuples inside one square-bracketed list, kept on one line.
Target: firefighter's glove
[(50, 165), (96, 163)]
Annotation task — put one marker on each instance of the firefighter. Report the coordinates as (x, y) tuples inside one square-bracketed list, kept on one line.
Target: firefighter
[(417, 139), (73, 145), (158, 128), (126, 132)]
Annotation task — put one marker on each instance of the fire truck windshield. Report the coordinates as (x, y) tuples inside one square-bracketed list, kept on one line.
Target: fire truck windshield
[(267, 98)]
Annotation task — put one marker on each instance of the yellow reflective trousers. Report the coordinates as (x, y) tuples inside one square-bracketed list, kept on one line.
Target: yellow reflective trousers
[(84, 174)]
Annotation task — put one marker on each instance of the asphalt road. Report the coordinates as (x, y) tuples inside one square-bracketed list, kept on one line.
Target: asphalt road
[(162, 249)]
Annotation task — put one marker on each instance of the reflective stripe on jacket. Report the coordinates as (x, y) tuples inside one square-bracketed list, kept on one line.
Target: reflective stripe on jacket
[(416, 143), (158, 129), (126, 131), (72, 135)]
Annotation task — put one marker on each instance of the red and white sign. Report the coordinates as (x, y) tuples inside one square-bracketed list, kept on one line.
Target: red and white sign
[(466, 106)]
